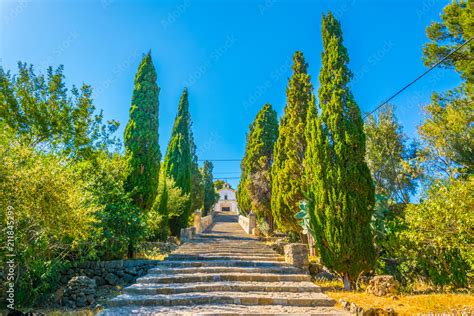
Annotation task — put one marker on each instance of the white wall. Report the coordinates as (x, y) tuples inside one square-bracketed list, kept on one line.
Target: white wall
[(230, 194)]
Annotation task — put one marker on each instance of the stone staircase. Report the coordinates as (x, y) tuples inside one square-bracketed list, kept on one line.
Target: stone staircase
[(223, 271)]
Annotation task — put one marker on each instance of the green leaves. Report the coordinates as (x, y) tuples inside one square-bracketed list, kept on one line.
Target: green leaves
[(178, 161), (287, 172), (141, 137), (210, 197), (340, 191), (254, 192)]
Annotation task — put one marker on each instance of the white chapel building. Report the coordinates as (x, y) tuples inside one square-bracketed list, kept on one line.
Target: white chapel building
[(227, 201)]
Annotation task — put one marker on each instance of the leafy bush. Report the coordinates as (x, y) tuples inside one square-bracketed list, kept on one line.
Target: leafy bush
[(53, 215), (119, 222), (437, 242), (169, 203)]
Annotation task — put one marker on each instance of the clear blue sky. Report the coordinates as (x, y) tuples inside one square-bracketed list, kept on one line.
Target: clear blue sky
[(234, 56)]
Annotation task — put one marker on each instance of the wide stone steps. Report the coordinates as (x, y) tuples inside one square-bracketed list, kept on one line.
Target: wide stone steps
[(223, 309), (229, 257), (192, 270), (221, 263), (223, 271), (250, 298), (153, 288), (215, 277)]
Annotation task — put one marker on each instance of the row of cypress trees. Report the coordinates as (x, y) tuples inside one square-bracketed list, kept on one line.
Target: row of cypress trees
[(318, 156), (180, 163)]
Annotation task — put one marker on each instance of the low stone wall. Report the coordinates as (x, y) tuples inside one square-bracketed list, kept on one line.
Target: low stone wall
[(200, 225), (206, 221), (114, 272), (248, 223), (101, 274), (297, 255)]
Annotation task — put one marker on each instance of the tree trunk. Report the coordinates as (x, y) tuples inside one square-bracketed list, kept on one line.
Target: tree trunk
[(348, 283), (130, 251)]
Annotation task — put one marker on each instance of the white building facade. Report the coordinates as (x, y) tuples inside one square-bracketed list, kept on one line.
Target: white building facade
[(227, 200)]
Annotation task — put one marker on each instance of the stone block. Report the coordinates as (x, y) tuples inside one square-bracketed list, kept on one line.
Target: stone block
[(382, 285), (297, 255)]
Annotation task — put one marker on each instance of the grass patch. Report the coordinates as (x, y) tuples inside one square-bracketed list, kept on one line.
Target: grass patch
[(454, 303), (411, 304)]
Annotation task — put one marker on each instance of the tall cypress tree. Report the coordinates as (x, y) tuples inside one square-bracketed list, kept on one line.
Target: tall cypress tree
[(287, 169), (141, 137), (257, 161), (197, 188), (210, 196), (178, 160), (340, 189)]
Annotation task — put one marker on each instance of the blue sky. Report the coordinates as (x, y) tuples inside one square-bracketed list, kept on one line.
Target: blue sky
[(234, 56)]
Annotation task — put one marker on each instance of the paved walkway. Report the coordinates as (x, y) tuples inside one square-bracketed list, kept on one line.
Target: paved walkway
[(223, 271)]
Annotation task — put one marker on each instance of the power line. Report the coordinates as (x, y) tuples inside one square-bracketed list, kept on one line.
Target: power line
[(419, 77), (226, 178), (219, 159)]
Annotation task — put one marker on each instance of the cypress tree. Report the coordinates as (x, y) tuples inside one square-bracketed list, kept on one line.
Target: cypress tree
[(178, 160), (210, 196), (257, 161), (141, 137), (287, 169), (242, 195), (197, 188), (340, 189)]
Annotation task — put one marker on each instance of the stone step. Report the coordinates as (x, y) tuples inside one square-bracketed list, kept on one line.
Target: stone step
[(216, 277), (228, 257), (216, 248), (153, 288), (224, 309), (281, 270), (226, 254), (254, 298), (221, 263)]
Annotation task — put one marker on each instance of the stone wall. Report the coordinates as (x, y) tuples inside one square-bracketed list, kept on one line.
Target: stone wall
[(200, 225), (115, 272), (248, 223), (297, 255), (79, 283)]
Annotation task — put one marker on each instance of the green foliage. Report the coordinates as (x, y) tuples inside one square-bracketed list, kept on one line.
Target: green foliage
[(255, 183), (179, 161), (141, 137), (448, 134), (440, 233), (287, 168), (168, 204), (455, 28), (388, 157), (210, 195), (434, 239), (242, 195), (197, 180), (54, 219), (341, 193), (48, 117), (219, 184), (119, 222)]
